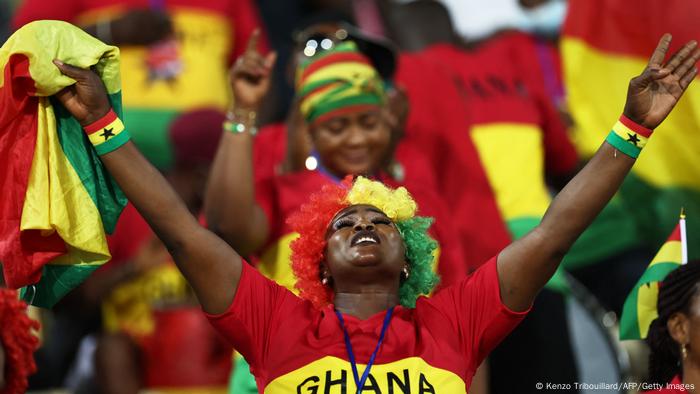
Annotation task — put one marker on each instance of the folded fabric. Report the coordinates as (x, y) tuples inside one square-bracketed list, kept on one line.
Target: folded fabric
[(58, 200)]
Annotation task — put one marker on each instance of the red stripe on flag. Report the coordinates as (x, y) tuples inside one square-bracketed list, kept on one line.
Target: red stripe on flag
[(675, 235), (616, 26), (22, 255)]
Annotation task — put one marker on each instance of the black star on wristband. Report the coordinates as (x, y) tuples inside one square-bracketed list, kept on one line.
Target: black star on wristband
[(107, 133), (633, 139)]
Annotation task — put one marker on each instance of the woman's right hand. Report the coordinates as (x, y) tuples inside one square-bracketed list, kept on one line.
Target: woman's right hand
[(250, 75), (87, 98)]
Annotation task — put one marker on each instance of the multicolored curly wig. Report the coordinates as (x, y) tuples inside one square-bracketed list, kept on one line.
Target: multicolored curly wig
[(17, 341), (312, 220)]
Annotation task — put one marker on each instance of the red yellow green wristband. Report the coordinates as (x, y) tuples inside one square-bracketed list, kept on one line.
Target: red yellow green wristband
[(107, 133), (628, 137)]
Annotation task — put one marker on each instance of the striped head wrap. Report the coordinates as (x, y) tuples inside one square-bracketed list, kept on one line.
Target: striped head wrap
[(338, 81)]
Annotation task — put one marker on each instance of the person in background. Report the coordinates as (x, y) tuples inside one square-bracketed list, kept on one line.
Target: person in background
[(674, 336), (175, 55)]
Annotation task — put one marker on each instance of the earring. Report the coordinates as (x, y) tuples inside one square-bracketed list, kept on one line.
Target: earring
[(684, 351), (405, 272), (324, 281)]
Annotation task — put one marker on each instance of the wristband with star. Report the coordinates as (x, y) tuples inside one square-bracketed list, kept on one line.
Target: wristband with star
[(107, 133), (628, 137)]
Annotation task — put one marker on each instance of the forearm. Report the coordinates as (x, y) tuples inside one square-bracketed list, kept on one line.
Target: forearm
[(582, 199), (230, 205), (151, 194), (208, 264), (526, 265)]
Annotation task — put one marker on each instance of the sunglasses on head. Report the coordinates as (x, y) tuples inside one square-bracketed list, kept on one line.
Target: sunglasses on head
[(317, 42)]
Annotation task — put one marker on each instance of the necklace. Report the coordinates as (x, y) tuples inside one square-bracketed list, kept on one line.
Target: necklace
[(360, 382)]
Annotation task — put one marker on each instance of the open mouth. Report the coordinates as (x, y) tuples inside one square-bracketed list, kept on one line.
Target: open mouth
[(364, 237)]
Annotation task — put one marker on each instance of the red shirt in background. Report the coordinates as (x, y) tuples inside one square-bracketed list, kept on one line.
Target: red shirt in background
[(517, 132), (438, 126), (242, 13)]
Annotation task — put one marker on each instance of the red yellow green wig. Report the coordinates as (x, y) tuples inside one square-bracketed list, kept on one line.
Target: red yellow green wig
[(314, 217), (17, 341), (338, 81)]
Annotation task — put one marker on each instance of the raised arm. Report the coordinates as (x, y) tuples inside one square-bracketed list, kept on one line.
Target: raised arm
[(229, 204), (527, 264), (210, 266)]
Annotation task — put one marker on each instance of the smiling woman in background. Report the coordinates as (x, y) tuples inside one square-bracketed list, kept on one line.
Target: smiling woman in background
[(365, 323)]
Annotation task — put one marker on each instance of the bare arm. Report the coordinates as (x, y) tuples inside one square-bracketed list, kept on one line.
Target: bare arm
[(210, 266), (526, 265), (230, 205)]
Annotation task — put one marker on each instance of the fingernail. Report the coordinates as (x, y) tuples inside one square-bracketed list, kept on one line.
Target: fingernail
[(57, 62)]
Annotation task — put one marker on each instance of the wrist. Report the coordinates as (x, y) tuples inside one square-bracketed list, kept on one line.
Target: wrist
[(107, 133), (628, 136), (241, 120)]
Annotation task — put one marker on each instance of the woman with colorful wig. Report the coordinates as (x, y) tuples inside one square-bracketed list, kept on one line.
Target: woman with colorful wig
[(674, 336), (362, 332)]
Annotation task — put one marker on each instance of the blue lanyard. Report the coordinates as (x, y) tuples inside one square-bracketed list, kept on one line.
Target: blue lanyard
[(320, 168), (360, 383)]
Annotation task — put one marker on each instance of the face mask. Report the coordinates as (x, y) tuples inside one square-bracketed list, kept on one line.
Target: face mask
[(545, 19)]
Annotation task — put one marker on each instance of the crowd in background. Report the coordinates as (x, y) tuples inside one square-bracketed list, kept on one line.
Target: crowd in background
[(481, 131)]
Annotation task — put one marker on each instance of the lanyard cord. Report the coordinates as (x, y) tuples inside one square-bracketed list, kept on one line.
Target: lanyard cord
[(360, 382)]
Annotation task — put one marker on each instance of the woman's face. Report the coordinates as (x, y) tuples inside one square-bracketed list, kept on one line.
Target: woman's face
[(354, 143), (685, 327), (694, 327), (363, 247)]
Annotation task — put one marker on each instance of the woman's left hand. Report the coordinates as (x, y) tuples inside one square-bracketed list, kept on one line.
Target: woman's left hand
[(652, 95)]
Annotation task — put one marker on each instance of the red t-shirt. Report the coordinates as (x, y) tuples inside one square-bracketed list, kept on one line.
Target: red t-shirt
[(674, 387), (282, 195), (438, 126), (293, 347), (242, 14), (518, 134)]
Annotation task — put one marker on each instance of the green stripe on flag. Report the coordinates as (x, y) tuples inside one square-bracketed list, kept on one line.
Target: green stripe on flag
[(102, 188), (630, 318), (657, 272), (56, 281)]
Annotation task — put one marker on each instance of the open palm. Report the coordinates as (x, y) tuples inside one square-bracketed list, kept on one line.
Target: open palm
[(652, 95)]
